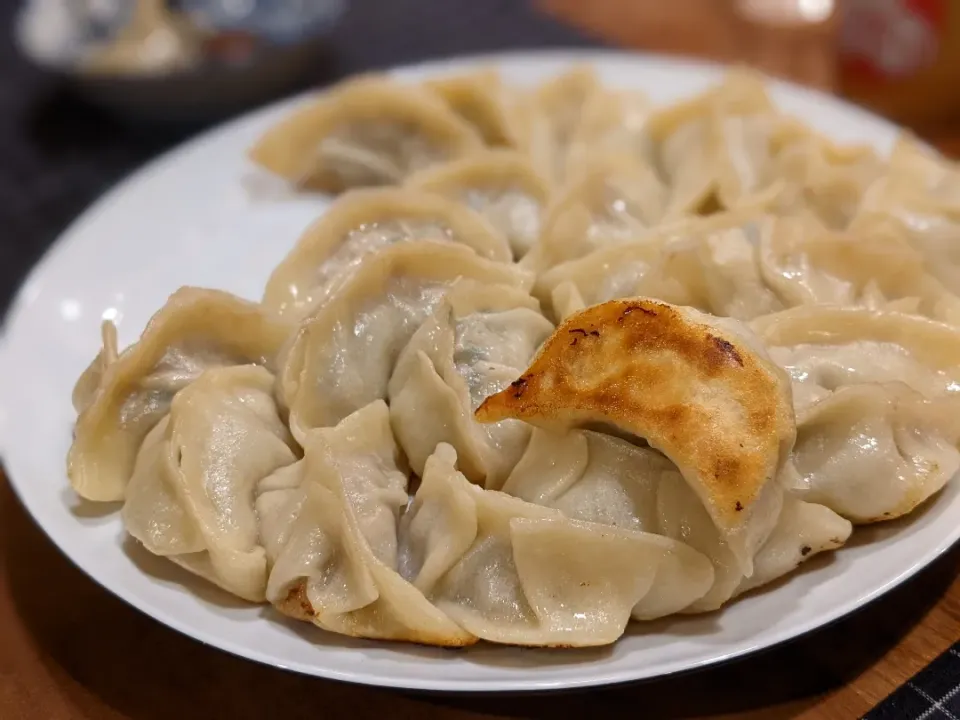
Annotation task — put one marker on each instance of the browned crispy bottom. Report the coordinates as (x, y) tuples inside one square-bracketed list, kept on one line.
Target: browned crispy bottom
[(297, 606)]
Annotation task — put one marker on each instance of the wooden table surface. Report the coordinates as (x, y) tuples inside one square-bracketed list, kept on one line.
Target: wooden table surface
[(69, 649)]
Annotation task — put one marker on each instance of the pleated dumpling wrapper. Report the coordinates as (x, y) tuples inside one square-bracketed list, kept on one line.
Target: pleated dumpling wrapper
[(329, 527), (604, 479), (345, 351), (745, 266), (697, 388), (365, 221), (875, 451), (917, 197), (513, 572), (826, 347), (501, 185), (553, 111), (485, 103), (371, 130), (196, 330), (478, 341), (715, 149), (191, 497)]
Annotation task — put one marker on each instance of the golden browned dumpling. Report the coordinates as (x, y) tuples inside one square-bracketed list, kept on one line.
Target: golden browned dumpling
[(698, 388)]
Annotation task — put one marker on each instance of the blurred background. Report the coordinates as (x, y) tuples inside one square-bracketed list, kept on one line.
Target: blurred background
[(91, 89)]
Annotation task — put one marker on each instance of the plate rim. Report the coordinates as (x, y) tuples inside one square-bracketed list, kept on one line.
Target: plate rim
[(436, 683)]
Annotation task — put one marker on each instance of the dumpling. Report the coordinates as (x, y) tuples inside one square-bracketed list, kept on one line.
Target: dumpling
[(605, 274), (699, 389), (344, 352), (823, 179), (598, 478), (826, 347), (478, 341), (554, 110), (196, 330), (612, 124), (371, 130), (711, 265), (364, 221), (488, 105), (874, 452), (329, 527), (717, 271), (806, 266), (715, 150), (191, 496), (509, 571), (752, 267), (501, 185), (803, 530), (614, 200), (919, 199)]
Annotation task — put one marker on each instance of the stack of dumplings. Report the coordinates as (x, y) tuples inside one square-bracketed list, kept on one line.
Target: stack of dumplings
[(554, 360)]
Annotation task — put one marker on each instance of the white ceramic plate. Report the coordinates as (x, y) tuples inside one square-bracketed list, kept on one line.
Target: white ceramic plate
[(202, 216)]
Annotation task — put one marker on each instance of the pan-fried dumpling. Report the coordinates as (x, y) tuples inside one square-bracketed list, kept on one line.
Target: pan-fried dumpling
[(191, 496), (483, 100), (918, 198), (364, 221), (500, 185), (553, 111), (874, 452), (344, 352), (196, 330), (329, 526), (512, 572), (366, 131), (612, 201), (476, 343), (698, 388), (598, 478), (826, 347)]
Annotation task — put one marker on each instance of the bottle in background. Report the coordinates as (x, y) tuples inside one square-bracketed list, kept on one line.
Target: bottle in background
[(902, 58), (794, 39)]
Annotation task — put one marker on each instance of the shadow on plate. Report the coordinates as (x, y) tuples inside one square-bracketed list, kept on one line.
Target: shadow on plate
[(86, 510), (866, 535), (166, 572), (481, 653)]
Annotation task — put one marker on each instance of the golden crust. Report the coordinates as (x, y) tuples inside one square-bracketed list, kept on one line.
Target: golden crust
[(697, 393), (296, 604)]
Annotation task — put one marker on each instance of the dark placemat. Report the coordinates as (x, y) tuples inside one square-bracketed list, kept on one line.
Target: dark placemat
[(931, 694), (57, 155)]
